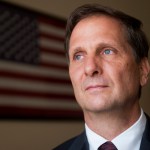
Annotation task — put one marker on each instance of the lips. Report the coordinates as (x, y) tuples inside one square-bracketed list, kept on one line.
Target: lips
[(95, 87)]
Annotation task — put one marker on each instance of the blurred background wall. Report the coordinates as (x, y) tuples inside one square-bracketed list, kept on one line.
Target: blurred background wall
[(37, 135)]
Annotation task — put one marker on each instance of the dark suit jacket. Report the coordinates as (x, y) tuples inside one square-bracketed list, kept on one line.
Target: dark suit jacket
[(80, 142)]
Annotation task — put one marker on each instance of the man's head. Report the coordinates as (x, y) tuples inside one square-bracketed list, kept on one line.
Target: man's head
[(107, 67), (134, 34)]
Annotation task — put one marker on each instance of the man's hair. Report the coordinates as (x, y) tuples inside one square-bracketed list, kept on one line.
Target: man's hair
[(135, 35)]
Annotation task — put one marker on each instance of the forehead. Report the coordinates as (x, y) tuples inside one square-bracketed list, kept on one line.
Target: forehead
[(99, 27), (101, 20)]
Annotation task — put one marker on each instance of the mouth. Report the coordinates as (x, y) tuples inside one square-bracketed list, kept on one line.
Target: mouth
[(95, 87)]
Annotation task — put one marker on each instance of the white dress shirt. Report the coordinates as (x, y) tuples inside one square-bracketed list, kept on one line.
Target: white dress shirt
[(127, 140)]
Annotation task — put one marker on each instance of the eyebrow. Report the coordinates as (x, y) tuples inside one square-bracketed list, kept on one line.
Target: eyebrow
[(103, 45), (76, 49)]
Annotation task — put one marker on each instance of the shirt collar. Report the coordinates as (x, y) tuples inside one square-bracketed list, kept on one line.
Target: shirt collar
[(94, 139), (129, 139)]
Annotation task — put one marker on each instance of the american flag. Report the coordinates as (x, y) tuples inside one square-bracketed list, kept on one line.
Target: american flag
[(34, 80)]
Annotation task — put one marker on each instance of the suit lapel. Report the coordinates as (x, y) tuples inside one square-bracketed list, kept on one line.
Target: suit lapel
[(80, 143), (145, 143)]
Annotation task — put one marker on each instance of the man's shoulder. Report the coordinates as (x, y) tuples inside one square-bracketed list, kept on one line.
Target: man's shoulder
[(145, 143), (77, 141), (147, 122)]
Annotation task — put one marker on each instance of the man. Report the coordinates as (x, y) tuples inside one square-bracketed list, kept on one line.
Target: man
[(108, 66)]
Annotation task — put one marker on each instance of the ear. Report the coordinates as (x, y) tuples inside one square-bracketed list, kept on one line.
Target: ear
[(144, 71)]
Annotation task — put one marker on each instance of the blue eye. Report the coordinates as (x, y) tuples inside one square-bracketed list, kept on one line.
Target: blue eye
[(107, 52), (78, 57)]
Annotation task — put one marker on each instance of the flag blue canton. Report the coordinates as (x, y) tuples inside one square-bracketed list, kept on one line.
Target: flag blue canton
[(18, 37)]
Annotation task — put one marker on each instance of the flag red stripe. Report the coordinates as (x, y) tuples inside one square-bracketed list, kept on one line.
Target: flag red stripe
[(54, 66), (53, 51), (25, 93), (51, 37), (38, 112), (33, 77), (51, 21)]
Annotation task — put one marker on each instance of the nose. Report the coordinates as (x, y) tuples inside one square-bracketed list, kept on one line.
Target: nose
[(92, 67)]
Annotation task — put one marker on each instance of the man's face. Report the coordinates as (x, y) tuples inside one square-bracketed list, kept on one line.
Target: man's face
[(103, 70)]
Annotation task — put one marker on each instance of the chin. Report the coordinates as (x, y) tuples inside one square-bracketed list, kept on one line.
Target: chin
[(96, 107)]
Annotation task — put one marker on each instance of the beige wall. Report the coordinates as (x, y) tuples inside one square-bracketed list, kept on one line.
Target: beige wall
[(43, 135), (36, 135)]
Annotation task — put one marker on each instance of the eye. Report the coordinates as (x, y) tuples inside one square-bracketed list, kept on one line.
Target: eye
[(108, 51), (78, 56)]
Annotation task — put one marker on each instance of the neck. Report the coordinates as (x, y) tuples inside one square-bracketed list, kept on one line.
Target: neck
[(111, 124)]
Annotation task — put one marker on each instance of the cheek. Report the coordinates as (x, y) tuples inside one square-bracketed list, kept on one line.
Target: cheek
[(76, 79), (128, 76), (123, 74), (115, 71), (75, 75)]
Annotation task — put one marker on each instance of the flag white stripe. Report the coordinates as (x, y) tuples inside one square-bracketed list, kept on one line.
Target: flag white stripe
[(50, 29), (53, 58), (33, 70), (52, 44), (35, 86)]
